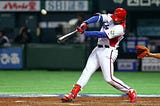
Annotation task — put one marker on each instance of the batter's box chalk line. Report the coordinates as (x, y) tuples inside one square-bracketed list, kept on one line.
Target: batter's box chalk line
[(80, 95)]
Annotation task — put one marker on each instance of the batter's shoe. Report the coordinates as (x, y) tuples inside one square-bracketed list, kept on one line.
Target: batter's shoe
[(132, 95), (72, 95)]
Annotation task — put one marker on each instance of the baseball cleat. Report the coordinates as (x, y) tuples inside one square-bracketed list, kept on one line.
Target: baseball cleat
[(72, 95), (132, 95), (67, 98)]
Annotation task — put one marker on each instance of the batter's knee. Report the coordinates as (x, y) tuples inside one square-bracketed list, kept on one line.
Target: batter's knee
[(112, 84), (108, 80)]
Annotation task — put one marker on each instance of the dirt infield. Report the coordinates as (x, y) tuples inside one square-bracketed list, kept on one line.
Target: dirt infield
[(80, 101)]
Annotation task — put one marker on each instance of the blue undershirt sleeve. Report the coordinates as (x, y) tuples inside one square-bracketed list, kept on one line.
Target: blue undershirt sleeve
[(97, 18), (97, 34)]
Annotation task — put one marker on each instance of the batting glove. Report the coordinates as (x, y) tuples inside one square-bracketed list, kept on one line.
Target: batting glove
[(82, 27)]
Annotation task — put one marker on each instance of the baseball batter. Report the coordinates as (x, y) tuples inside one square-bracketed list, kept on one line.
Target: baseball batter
[(105, 53)]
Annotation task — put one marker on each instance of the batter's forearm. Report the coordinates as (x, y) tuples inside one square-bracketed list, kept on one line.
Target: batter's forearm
[(155, 55), (97, 34)]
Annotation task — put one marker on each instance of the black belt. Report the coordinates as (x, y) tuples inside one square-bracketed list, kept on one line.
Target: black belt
[(100, 46)]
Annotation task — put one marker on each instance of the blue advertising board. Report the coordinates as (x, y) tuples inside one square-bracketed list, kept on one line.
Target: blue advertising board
[(11, 58), (127, 65)]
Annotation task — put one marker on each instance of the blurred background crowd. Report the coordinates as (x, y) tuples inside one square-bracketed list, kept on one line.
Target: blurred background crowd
[(22, 22)]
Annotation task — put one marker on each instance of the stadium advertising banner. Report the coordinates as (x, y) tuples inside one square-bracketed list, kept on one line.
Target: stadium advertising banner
[(11, 58), (150, 64), (19, 5), (130, 4), (67, 5), (127, 64)]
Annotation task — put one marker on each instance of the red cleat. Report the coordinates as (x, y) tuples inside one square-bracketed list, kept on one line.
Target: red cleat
[(132, 95), (72, 95), (68, 98)]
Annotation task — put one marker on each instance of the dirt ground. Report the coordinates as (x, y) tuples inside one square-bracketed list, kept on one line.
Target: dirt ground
[(80, 101)]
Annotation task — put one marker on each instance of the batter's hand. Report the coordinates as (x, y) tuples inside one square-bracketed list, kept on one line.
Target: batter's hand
[(82, 27), (142, 51)]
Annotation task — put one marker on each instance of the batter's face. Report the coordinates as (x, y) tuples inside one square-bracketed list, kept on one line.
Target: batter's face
[(118, 22)]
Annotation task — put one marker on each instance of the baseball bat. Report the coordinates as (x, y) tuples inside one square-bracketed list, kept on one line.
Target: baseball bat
[(62, 38)]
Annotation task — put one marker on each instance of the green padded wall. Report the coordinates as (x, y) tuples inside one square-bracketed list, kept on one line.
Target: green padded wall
[(47, 56)]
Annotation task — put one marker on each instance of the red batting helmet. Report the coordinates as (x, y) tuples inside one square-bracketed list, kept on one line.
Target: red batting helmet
[(119, 14)]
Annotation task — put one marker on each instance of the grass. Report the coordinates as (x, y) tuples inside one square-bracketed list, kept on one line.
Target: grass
[(61, 82)]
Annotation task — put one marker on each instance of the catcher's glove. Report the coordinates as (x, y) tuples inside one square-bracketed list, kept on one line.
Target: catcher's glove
[(142, 51)]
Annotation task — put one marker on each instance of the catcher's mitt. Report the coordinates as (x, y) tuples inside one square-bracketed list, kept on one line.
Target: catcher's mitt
[(142, 51)]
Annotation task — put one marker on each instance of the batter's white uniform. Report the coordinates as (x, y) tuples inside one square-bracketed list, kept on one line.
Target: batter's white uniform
[(104, 57)]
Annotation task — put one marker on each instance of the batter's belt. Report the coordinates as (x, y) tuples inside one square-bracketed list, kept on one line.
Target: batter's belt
[(106, 46), (101, 46)]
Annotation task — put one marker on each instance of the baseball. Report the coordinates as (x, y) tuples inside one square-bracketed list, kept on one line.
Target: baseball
[(43, 11)]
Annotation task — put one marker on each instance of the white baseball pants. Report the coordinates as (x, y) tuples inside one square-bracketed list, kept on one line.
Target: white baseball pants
[(103, 58)]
